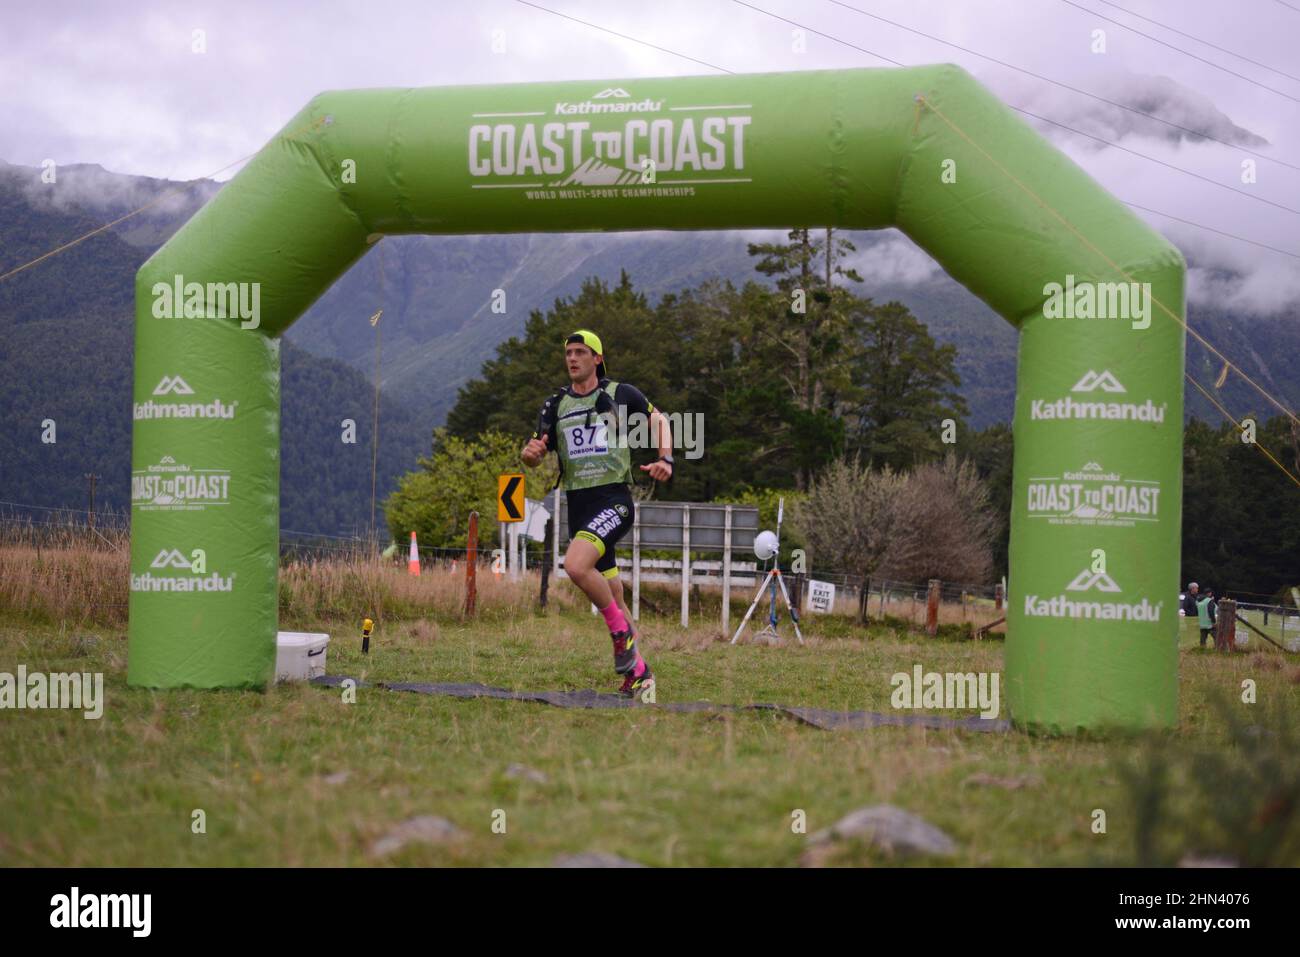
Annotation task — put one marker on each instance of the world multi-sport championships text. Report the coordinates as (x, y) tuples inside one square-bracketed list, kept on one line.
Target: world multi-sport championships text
[(622, 192)]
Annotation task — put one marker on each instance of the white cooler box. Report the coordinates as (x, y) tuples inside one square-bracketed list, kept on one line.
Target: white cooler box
[(300, 655)]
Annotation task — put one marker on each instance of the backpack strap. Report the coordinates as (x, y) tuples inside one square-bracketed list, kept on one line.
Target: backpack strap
[(546, 418), (606, 400)]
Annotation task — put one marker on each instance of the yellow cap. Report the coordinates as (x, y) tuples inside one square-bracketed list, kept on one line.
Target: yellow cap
[(592, 342), (588, 339)]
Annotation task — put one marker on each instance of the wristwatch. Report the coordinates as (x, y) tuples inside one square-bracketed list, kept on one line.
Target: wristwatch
[(666, 458)]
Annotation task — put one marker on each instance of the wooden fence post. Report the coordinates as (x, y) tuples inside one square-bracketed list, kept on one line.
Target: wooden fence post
[(686, 565), (1225, 627), (546, 556), (471, 565), (932, 608), (726, 571)]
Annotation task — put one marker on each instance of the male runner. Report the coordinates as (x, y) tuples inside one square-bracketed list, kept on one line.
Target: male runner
[(595, 471)]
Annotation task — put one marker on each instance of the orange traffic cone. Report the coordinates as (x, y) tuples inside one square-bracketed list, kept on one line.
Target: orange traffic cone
[(413, 564)]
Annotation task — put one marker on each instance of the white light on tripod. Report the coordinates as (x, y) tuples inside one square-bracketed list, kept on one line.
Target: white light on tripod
[(765, 545)]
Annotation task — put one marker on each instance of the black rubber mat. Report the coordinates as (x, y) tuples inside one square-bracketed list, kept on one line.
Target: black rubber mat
[(816, 717)]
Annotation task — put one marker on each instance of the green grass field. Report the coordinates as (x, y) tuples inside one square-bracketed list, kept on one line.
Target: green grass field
[(294, 776)]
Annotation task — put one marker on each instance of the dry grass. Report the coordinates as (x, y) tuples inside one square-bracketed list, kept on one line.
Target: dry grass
[(65, 585), (89, 584), (332, 590), (66, 576)]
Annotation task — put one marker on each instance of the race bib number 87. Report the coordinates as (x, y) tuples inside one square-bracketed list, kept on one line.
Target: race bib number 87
[(584, 440)]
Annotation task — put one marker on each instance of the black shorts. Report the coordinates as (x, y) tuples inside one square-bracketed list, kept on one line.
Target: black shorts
[(601, 515)]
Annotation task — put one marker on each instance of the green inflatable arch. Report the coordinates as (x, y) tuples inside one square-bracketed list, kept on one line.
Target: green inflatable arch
[(1093, 609)]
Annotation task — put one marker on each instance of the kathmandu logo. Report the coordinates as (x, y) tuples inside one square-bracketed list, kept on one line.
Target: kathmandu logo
[(1064, 606), (1087, 579), (198, 578), (173, 384), (1093, 381), (611, 95), (150, 410), (172, 559)]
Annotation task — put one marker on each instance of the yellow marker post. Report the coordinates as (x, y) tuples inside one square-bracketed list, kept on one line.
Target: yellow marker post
[(510, 497)]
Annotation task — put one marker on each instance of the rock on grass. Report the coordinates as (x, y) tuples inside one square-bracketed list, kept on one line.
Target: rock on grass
[(890, 829), (524, 772), (426, 829), (593, 859)]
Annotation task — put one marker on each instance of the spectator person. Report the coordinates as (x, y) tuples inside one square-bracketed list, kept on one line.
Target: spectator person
[(1189, 604), (1207, 613)]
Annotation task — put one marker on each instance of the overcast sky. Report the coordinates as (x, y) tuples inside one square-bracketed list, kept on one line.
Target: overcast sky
[(117, 84)]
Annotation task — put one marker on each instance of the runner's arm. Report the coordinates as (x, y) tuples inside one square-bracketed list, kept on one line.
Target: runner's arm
[(634, 401)]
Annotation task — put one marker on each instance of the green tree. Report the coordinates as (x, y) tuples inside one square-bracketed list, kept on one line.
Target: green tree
[(851, 516), (806, 324), (992, 452), (904, 388), (512, 385), (458, 478)]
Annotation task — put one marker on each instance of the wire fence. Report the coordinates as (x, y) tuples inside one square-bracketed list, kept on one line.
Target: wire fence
[(1280, 623), (977, 603), (110, 532)]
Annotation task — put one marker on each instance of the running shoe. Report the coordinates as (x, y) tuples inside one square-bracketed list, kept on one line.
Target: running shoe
[(635, 686)]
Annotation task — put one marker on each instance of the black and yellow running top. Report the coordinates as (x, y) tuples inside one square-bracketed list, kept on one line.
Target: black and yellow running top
[(585, 432)]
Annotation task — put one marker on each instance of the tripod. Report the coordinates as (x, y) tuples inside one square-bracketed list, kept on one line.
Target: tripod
[(769, 584)]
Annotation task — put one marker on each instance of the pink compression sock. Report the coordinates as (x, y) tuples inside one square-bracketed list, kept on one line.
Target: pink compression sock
[(614, 618)]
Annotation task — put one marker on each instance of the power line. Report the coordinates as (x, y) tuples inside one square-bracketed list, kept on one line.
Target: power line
[(1170, 312), (157, 199), (1189, 36), (802, 26), (880, 56), (922, 101), (1187, 222), (1039, 76), (621, 35), (1153, 159), (1240, 76), (925, 102), (1036, 116), (1211, 229)]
